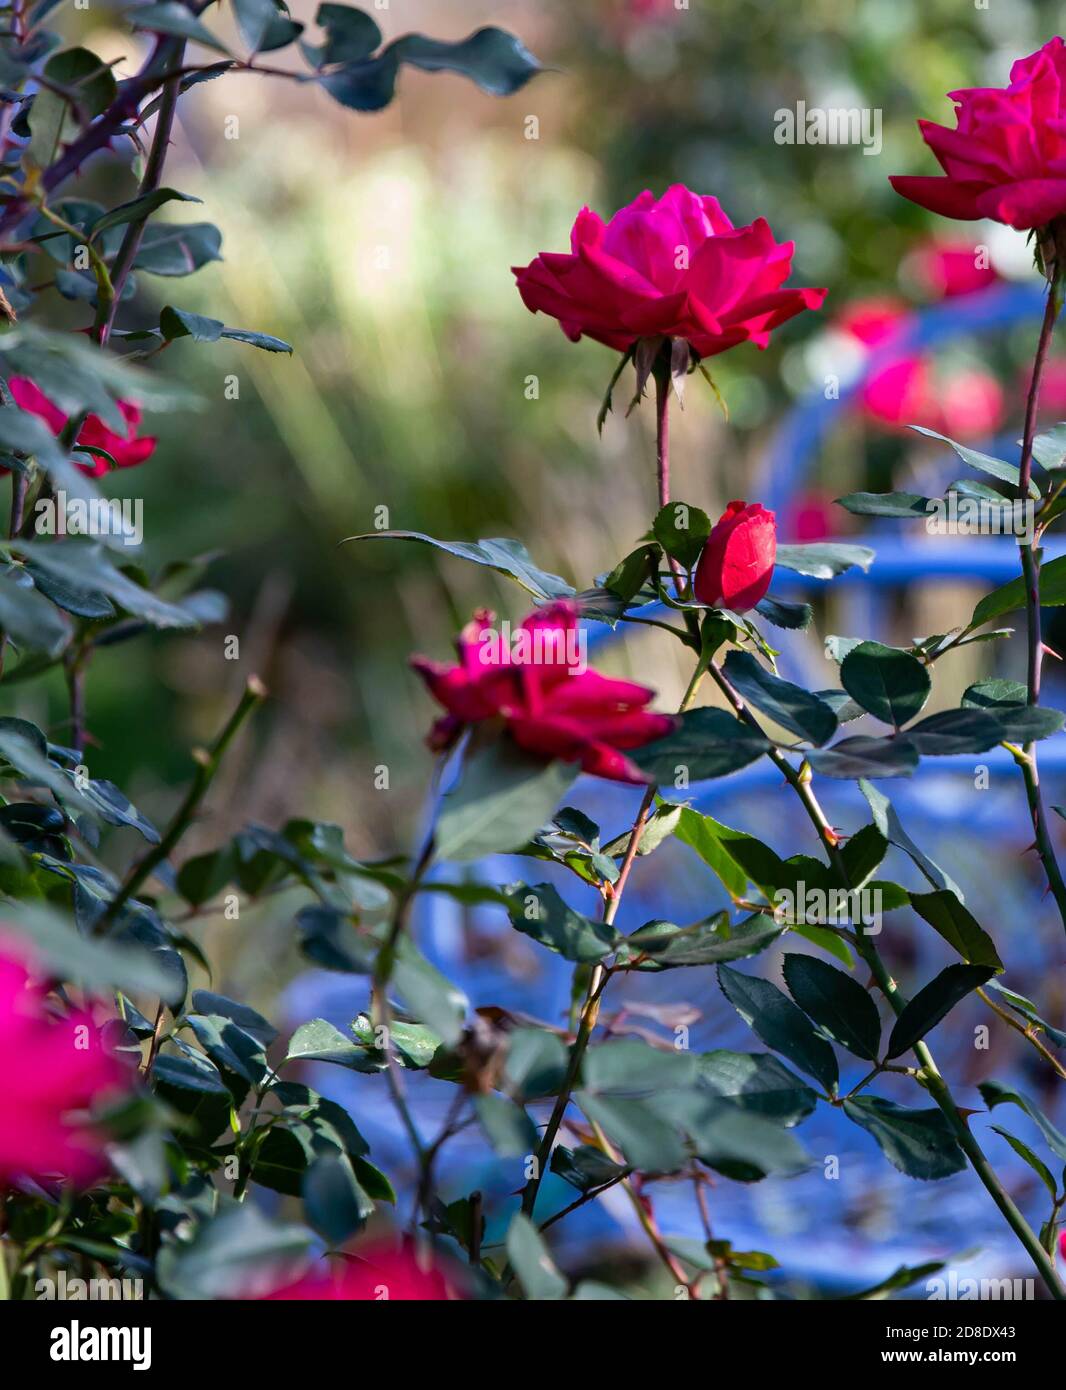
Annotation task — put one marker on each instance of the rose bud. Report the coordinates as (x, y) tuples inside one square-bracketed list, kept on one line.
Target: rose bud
[(737, 563)]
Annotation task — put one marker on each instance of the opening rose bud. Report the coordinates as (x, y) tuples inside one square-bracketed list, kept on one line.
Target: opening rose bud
[(672, 267), (737, 563), (539, 684)]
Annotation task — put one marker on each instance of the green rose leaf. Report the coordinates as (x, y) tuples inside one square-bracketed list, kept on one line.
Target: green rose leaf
[(862, 756), (958, 926), (539, 912), (706, 743), (919, 1143), (503, 797), (794, 708), (840, 1006), (888, 682), (933, 1002), (775, 1019)]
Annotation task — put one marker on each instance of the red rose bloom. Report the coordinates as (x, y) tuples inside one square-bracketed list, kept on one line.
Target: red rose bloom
[(50, 1069), (552, 705), (674, 267), (1006, 158), (386, 1276), (737, 563), (127, 450)]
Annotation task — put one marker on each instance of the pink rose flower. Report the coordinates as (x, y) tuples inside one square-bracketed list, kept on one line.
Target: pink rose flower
[(674, 267), (551, 704), (51, 1067), (387, 1275), (127, 450), (1006, 157), (737, 563)]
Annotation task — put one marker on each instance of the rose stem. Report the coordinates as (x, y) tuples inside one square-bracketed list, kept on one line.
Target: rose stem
[(1026, 760), (600, 976)]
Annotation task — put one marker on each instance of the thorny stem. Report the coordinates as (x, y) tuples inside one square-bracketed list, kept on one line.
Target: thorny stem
[(153, 173), (1026, 1032), (644, 1215), (1030, 558), (930, 1076), (381, 1011), (75, 673), (662, 457), (586, 1197), (207, 764), (613, 898)]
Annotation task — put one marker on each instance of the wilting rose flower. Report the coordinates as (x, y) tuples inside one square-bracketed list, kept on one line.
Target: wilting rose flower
[(737, 563), (50, 1069), (962, 403), (551, 704), (127, 450), (387, 1276), (674, 267), (1006, 158)]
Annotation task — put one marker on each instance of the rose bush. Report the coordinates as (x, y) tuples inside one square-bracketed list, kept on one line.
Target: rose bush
[(206, 1162)]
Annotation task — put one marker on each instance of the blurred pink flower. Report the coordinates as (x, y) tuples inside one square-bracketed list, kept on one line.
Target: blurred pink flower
[(50, 1068), (950, 268), (1052, 405), (674, 267), (967, 404), (552, 705), (382, 1274), (812, 516)]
